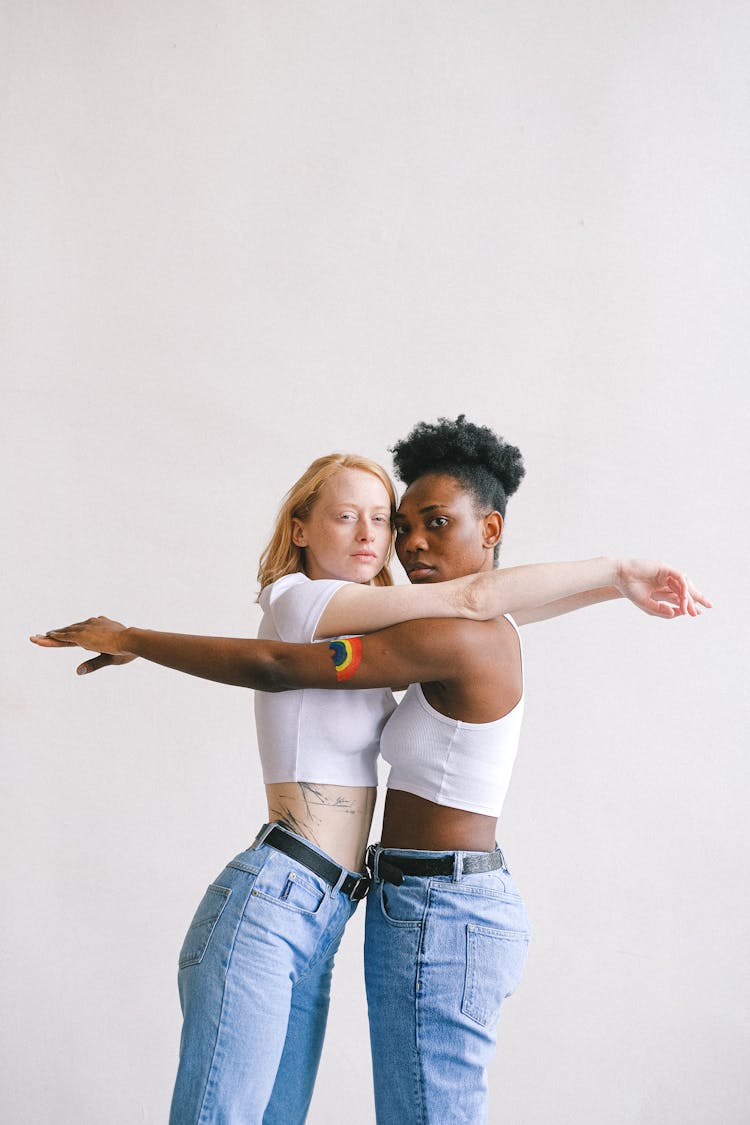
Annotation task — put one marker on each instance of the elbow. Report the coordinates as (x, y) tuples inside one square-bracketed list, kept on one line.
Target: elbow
[(475, 601), (273, 676), (265, 672)]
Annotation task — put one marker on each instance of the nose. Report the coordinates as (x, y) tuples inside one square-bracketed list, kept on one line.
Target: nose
[(409, 542), (366, 531)]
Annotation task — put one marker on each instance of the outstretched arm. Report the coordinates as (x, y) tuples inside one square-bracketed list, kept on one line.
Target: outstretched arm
[(417, 650), (654, 587), (531, 593)]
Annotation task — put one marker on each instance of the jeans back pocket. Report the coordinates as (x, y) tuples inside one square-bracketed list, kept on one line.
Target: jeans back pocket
[(202, 926), (494, 963)]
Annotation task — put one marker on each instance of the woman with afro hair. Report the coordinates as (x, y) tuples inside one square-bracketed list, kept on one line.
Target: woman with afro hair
[(446, 928), (447, 931)]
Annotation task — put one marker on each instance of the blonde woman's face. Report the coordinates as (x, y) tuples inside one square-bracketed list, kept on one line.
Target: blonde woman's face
[(348, 532)]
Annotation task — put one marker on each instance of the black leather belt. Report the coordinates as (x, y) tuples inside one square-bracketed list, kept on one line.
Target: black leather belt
[(353, 886), (392, 868)]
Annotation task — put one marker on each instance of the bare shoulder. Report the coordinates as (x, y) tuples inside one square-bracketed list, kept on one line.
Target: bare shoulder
[(474, 643), (499, 639), (485, 681)]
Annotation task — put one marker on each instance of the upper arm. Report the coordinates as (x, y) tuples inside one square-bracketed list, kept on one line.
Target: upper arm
[(416, 651), (356, 608), (293, 606)]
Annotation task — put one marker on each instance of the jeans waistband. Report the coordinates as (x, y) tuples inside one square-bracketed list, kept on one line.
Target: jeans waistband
[(352, 885), (391, 864)]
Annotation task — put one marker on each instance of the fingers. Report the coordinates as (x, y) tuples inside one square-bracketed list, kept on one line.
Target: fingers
[(65, 637), (75, 625), (45, 641), (691, 599), (56, 638), (101, 661), (699, 598), (65, 634), (662, 609), (73, 635), (680, 596), (670, 604), (104, 660), (678, 584)]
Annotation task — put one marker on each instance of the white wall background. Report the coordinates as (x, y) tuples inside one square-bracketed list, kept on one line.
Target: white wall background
[(239, 235)]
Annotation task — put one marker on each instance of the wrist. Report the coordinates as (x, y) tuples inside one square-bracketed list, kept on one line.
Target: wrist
[(617, 574), (129, 644)]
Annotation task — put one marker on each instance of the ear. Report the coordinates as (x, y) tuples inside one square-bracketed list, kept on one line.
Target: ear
[(299, 538), (492, 530)]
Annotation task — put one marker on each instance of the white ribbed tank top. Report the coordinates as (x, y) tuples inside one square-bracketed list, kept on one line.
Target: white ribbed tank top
[(462, 765)]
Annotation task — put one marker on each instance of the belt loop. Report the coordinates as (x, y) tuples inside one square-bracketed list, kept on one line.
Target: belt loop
[(501, 857), (458, 866), (337, 885), (371, 860), (260, 838)]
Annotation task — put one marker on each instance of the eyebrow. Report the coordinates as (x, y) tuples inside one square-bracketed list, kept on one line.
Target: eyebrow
[(423, 511), (356, 504)]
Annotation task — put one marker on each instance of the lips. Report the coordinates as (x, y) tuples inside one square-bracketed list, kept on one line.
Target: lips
[(365, 556), (417, 571)]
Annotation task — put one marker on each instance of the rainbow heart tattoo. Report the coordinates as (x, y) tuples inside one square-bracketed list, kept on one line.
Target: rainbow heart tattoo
[(346, 656)]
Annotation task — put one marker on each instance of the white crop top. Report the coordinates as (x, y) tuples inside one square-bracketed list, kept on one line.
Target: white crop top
[(329, 737), (463, 765)]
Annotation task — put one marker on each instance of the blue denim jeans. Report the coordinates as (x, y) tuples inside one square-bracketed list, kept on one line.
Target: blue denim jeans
[(442, 952), (254, 980)]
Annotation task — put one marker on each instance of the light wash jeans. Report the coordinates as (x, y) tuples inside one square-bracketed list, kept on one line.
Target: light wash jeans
[(442, 952), (254, 980)]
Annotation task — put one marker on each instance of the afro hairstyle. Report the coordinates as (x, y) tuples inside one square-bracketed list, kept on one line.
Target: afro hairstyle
[(487, 466)]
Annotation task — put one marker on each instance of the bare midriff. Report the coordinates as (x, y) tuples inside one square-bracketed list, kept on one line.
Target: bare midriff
[(414, 823), (336, 818)]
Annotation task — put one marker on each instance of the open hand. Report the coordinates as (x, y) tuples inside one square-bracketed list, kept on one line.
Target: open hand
[(97, 634)]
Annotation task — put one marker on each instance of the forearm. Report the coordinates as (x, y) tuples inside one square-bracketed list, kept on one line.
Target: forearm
[(477, 597), (566, 605), (517, 588), (260, 664), (227, 660)]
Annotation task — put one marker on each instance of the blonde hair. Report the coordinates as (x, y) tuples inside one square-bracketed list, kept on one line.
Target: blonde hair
[(281, 555)]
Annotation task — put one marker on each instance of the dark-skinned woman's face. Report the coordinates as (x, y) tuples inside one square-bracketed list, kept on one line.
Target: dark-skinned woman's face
[(439, 533)]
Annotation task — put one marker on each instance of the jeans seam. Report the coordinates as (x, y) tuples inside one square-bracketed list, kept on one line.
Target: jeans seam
[(220, 1025), (417, 1005)]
